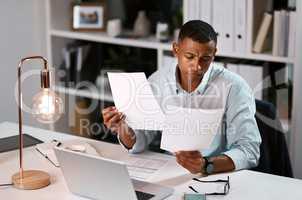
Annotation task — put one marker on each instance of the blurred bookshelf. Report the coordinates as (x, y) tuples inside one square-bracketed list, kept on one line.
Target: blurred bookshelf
[(152, 43), (59, 35)]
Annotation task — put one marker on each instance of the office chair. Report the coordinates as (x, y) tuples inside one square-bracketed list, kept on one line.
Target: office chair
[(274, 156)]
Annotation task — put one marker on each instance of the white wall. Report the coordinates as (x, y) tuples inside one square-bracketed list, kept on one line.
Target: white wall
[(296, 139), (22, 34)]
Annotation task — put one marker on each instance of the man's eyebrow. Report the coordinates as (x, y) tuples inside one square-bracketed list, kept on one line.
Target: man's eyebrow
[(208, 54), (190, 53)]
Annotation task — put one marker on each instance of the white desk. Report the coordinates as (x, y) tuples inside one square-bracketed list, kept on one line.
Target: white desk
[(244, 184)]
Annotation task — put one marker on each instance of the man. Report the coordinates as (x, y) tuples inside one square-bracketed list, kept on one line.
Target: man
[(196, 83)]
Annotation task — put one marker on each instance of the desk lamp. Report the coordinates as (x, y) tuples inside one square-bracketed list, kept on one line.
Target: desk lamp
[(47, 108)]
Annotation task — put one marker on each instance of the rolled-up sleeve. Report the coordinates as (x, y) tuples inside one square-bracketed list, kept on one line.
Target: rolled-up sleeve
[(142, 140), (242, 134)]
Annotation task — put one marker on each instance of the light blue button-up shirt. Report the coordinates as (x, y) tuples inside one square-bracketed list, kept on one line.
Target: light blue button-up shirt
[(238, 136)]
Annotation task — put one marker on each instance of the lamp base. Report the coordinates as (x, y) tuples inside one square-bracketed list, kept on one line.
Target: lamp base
[(32, 180)]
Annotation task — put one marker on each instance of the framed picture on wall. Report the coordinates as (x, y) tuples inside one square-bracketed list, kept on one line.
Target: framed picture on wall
[(89, 16)]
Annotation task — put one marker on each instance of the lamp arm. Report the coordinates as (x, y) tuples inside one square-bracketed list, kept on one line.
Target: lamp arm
[(20, 106), (32, 58)]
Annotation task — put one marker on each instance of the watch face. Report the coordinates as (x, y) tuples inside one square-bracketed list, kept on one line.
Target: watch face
[(210, 168)]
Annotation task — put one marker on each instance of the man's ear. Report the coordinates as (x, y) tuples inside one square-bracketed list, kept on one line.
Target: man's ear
[(215, 51), (175, 49)]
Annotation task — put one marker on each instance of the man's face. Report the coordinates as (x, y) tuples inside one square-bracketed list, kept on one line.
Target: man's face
[(194, 58)]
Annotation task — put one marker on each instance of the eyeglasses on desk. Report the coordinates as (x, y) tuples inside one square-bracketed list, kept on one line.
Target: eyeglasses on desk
[(226, 186)]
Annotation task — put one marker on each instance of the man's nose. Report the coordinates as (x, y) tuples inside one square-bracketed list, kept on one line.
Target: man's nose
[(196, 66)]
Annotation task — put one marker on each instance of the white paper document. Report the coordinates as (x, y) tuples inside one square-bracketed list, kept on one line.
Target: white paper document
[(133, 96), (144, 168), (188, 129)]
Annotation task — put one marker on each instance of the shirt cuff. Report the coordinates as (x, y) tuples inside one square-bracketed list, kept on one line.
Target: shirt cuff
[(238, 157), (139, 145)]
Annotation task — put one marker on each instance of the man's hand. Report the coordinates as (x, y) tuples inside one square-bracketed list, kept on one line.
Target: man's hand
[(191, 160), (115, 121)]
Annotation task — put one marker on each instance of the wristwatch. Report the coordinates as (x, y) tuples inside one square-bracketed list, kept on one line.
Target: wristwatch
[(208, 167)]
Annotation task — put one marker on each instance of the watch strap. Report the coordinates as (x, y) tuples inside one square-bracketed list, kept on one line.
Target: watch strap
[(207, 163)]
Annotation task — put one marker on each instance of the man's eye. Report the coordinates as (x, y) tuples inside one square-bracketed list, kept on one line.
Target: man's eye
[(206, 59), (190, 57)]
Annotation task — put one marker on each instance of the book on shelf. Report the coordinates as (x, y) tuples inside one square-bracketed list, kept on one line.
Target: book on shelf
[(205, 11), (276, 33), (262, 41), (280, 33), (240, 24), (73, 55), (81, 62), (224, 23), (283, 33), (82, 52), (292, 33), (286, 33), (228, 18)]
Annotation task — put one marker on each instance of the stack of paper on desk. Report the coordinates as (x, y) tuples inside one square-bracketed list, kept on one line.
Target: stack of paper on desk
[(183, 128)]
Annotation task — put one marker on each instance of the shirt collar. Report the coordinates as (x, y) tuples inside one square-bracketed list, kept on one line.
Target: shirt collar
[(200, 88)]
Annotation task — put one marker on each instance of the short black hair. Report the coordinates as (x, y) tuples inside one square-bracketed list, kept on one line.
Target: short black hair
[(198, 31)]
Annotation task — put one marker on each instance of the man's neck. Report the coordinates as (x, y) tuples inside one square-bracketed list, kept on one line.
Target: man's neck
[(189, 84)]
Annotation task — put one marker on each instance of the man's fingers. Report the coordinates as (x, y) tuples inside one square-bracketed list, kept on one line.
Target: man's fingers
[(189, 154), (195, 161), (105, 110), (109, 114), (193, 165), (123, 117), (117, 127), (115, 120)]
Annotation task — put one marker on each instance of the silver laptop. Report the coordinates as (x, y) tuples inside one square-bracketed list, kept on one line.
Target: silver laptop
[(96, 177)]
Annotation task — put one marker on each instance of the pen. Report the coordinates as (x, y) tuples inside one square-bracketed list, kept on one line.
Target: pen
[(45, 156)]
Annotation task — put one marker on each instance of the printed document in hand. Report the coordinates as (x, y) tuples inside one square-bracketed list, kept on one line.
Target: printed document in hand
[(186, 129), (190, 129), (133, 96)]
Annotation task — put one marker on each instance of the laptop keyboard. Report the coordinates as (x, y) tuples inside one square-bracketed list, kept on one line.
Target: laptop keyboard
[(143, 196)]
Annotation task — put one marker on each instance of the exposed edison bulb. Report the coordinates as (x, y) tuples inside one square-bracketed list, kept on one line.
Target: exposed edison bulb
[(47, 106)]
